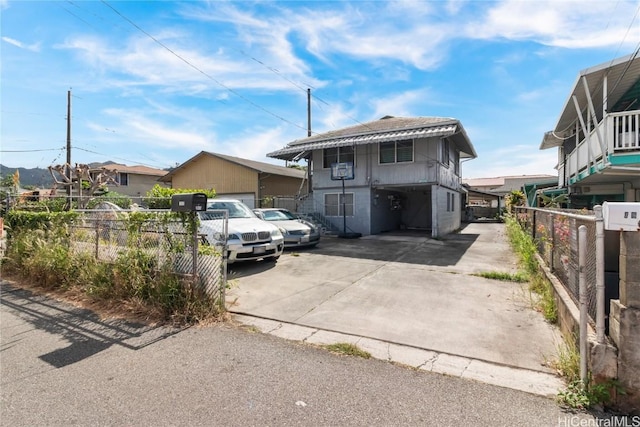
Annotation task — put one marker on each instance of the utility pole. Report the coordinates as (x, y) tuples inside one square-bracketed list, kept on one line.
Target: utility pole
[(309, 183), (68, 167), (308, 112)]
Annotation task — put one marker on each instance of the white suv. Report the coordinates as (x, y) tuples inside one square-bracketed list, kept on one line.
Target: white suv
[(248, 237)]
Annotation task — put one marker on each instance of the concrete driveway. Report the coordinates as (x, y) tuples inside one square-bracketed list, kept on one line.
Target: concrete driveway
[(406, 289)]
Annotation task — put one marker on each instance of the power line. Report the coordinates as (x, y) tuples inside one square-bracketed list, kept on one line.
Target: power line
[(31, 151), (129, 161), (236, 93)]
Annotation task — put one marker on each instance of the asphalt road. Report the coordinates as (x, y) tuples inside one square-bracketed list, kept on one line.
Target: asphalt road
[(62, 366)]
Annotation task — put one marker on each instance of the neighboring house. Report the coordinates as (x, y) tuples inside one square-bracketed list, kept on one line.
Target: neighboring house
[(133, 181), (406, 174), (247, 180), (492, 191), (598, 135)]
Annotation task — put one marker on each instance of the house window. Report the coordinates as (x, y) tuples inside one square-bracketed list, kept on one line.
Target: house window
[(456, 162), (396, 151), (448, 203), (333, 204), (444, 154), (336, 155), (123, 179)]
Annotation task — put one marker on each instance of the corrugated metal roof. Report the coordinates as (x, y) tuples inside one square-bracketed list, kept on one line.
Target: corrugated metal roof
[(622, 74), (383, 130)]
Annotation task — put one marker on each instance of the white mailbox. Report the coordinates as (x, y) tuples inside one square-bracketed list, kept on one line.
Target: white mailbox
[(621, 216)]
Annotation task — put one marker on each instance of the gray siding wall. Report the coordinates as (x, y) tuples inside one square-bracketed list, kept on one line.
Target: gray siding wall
[(423, 169), (445, 220), (360, 222)]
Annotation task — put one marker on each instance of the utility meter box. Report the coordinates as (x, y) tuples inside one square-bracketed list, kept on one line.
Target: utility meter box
[(189, 202), (621, 216)]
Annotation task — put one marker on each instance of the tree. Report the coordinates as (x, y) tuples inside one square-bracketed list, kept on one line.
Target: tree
[(515, 198)]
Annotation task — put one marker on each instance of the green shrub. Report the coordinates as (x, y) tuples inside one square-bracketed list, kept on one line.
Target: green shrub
[(40, 251), (526, 249)]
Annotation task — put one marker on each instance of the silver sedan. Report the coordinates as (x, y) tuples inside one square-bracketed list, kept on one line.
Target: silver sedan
[(297, 232)]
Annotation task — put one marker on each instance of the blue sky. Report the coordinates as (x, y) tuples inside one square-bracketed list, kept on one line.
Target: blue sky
[(156, 82)]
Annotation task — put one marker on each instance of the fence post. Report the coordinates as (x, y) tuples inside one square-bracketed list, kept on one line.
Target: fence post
[(553, 242), (97, 225), (582, 252), (533, 225), (194, 247), (600, 286)]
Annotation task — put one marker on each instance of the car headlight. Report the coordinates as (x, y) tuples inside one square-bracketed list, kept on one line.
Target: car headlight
[(283, 231), (276, 233), (233, 237)]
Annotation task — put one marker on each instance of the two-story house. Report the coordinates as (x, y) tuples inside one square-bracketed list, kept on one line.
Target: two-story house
[(598, 135), (406, 174)]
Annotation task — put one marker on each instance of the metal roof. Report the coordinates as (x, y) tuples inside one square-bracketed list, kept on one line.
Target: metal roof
[(383, 130), (622, 74)]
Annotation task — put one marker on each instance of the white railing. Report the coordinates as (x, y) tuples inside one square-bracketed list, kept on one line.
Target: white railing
[(620, 133), (624, 131)]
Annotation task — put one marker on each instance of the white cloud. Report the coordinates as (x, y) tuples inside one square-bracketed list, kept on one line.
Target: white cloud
[(136, 128), (32, 47), (254, 143), (142, 62), (400, 104), (521, 160), (569, 24)]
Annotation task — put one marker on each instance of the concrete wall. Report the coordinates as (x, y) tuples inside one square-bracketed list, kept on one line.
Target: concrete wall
[(624, 321)]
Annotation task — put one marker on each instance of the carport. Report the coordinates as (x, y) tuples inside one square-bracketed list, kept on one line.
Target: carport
[(403, 208)]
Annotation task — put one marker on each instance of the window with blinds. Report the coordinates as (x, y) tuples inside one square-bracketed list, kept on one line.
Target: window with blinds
[(333, 205), (396, 151), (337, 155)]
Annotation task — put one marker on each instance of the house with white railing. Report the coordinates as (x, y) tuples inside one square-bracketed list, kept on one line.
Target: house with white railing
[(598, 135)]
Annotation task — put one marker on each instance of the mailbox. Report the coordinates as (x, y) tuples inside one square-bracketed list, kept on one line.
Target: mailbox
[(621, 216), (189, 202)]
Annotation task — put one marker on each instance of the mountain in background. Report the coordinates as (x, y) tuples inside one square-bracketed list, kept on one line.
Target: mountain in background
[(37, 177)]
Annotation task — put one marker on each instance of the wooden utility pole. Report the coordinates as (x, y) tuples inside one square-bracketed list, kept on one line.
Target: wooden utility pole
[(308, 112), (68, 172)]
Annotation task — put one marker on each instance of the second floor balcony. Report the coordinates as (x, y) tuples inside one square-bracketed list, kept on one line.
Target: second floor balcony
[(612, 146)]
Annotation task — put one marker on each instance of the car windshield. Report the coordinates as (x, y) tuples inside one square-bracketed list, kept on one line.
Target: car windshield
[(235, 209), (277, 215)]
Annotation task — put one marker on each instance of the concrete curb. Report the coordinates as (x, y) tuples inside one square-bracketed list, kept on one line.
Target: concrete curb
[(534, 382)]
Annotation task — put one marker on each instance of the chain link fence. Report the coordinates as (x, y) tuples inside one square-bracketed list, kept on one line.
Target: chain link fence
[(108, 234), (555, 234)]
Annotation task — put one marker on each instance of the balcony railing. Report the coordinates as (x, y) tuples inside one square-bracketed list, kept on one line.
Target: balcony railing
[(621, 135), (625, 131)]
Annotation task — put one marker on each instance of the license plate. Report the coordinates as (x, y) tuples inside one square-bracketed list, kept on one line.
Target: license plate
[(259, 250)]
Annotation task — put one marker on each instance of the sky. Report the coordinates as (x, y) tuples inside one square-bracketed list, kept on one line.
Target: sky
[(156, 82)]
